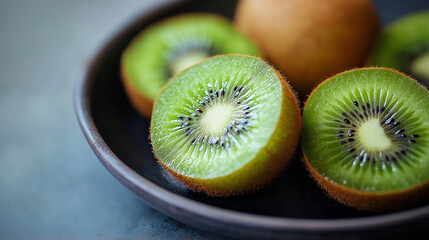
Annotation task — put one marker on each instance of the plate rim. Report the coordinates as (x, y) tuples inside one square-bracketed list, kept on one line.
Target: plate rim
[(187, 210)]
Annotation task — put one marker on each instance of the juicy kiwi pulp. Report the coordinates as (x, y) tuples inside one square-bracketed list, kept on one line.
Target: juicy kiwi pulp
[(223, 118), (372, 135), (166, 48)]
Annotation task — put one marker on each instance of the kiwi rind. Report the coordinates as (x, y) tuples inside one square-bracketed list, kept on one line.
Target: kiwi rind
[(142, 90), (401, 41), (270, 161), (375, 202), (384, 200)]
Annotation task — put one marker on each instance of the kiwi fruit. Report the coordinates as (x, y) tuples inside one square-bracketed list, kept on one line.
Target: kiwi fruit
[(225, 126), (310, 40), (404, 45), (165, 48), (365, 139)]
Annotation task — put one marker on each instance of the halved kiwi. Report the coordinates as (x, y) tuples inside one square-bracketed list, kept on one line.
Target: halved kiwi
[(365, 139), (225, 126), (166, 48), (404, 45)]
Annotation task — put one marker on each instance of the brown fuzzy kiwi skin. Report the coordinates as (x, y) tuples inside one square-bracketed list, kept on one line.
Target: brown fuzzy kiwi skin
[(370, 201), (139, 101), (309, 40), (270, 162), (375, 202)]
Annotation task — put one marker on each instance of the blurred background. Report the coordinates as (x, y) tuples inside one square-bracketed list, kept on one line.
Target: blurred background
[(51, 184)]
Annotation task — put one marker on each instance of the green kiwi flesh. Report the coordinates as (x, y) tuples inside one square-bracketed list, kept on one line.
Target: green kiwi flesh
[(367, 131), (166, 48), (404, 45), (225, 126)]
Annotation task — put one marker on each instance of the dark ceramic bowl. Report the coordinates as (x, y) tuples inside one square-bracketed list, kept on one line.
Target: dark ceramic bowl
[(292, 207)]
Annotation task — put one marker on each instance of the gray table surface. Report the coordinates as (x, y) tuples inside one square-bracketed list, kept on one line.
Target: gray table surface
[(51, 184)]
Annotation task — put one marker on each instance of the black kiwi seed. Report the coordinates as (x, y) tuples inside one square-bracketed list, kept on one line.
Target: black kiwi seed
[(400, 131)]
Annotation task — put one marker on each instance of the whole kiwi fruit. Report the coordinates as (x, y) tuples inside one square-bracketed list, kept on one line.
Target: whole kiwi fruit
[(365, 139), (225, 126), (167, 47), (310, 40)]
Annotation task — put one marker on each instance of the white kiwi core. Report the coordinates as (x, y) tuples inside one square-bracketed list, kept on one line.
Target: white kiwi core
[(188, 60), (420, 66), (372, 135), (216, 118)]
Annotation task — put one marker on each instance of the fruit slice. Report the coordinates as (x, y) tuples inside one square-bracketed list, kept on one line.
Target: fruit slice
[(366, 138), (404, 45), (226, 126), (166, 48)]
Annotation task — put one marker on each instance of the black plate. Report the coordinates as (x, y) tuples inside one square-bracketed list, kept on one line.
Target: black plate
[(292, 207)]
